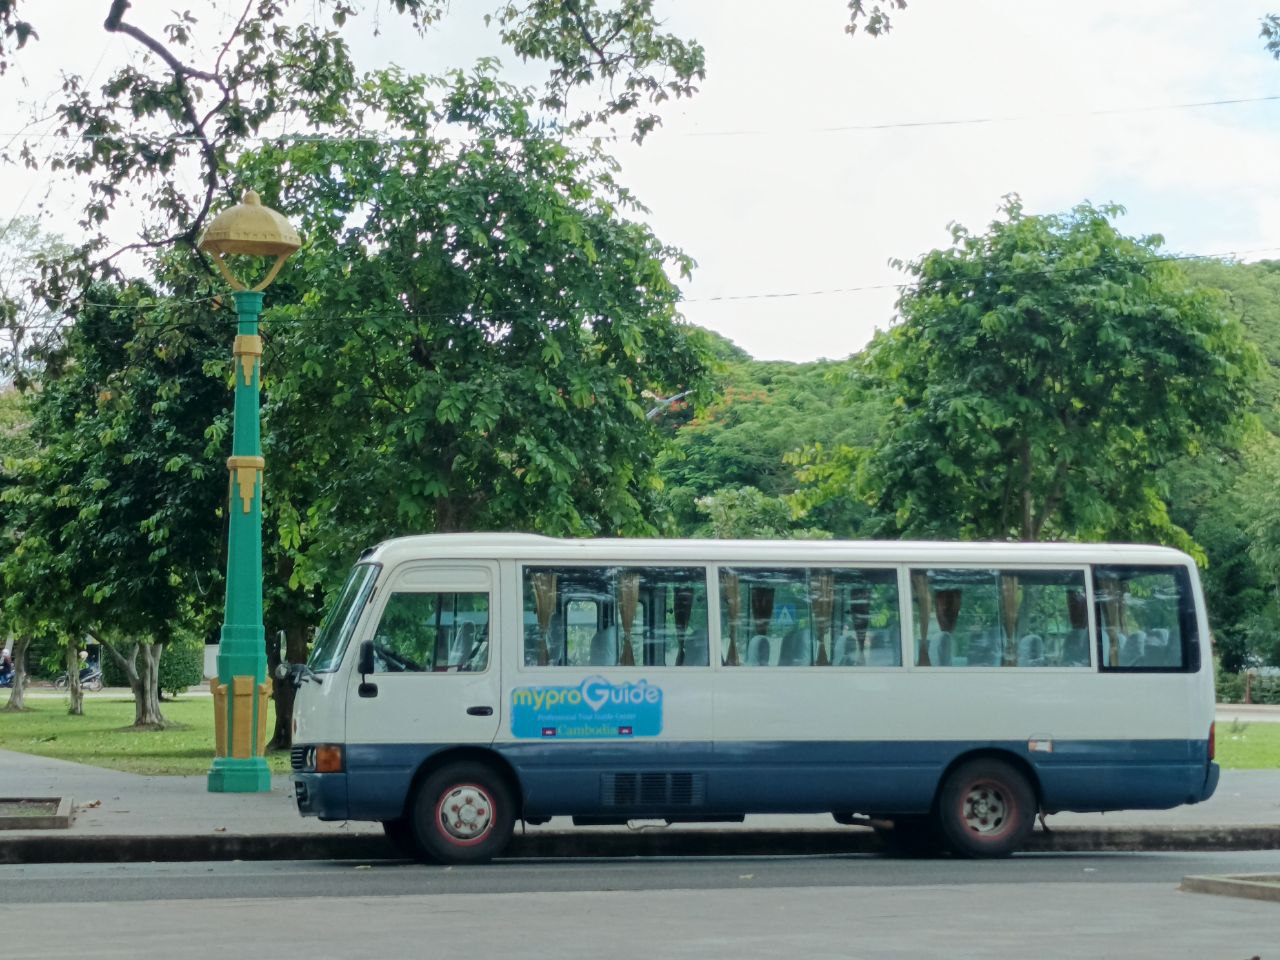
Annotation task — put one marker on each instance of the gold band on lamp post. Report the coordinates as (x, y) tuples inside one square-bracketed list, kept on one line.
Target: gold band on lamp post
[(248, 350)]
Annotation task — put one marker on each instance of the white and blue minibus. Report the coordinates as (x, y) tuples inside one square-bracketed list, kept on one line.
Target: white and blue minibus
[(946, 692)]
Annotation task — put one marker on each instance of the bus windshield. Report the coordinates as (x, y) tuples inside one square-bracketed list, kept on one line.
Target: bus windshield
[(335, 631)]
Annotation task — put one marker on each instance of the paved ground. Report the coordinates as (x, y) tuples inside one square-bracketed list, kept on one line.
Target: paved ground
[(287, 879), (1043, 907)]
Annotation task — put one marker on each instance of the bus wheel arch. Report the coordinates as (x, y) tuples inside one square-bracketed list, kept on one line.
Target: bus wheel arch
[(986, 802), (485, 780)]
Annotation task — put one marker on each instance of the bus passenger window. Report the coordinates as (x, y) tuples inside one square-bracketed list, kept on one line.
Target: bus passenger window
[(809, 617), (1146, 619), (615, 616), (999, 618), (433, 632)]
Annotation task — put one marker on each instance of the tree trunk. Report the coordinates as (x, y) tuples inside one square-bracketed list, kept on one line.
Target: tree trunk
[(18, 695), (76, 705), (144, 681), (146, 693), (295, 642)]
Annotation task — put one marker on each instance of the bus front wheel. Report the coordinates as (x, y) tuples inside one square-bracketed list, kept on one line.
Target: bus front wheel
[(986, 809), (464, 813)]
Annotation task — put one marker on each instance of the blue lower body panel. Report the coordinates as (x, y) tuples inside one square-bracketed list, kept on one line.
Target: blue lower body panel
[(674, 779)]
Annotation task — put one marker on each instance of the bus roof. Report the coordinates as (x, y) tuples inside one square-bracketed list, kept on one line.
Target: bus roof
[(535, 548)]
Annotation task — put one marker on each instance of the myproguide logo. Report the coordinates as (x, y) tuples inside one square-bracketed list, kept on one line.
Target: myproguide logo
[(596, 693)]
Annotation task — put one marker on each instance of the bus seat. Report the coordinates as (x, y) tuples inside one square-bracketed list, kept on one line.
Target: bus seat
[(844, 652), (695, 649), (464, 645), (757, 651), (1075, 648), (940, 649), (797, 649), (1157, 651), (881, 649), (1131, 648), (1031, 651), (604, 648)]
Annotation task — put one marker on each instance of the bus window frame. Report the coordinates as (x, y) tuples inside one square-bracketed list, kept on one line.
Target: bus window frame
[(714, 612), (908, 612), (556, 669), (1192, 659)]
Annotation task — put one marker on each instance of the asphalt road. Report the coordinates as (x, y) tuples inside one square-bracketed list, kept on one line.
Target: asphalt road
[(1042, 906), (60, 883)]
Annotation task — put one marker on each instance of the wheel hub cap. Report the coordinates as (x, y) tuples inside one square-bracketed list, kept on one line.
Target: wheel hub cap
[(466, 813), (985, 809)]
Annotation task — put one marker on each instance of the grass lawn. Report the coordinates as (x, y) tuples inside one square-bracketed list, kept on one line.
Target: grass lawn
[(103, 738), (1249, 746)]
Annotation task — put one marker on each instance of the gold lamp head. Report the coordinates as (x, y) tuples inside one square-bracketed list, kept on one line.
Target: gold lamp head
[(250, 229)]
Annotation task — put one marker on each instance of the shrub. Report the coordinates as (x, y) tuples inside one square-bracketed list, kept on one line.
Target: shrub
[(181, 666), (1230, 687)]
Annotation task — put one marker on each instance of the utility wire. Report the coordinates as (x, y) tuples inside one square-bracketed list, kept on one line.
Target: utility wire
[(517, 312), (553, 133)]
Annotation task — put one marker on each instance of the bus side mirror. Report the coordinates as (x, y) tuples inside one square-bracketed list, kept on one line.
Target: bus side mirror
[(365, 666)]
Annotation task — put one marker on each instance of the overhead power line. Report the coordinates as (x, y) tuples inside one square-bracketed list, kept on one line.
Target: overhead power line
[(516, 313), (552, 133)]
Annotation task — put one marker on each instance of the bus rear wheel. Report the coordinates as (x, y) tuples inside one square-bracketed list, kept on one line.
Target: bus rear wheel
[(986, 809), (464, 813)]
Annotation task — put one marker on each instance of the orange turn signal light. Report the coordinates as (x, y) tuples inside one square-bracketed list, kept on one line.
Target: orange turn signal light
[(329, 759)]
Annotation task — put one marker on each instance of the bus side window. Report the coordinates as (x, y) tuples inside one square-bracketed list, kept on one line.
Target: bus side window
[(809, 617), (433, 632), (615, 616), (1146, 619), (999, 618)]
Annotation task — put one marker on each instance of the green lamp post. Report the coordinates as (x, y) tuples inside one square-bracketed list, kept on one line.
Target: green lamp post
[(240, 693)]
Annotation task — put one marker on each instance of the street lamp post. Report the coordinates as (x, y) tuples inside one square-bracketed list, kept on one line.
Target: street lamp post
[(240, 693)]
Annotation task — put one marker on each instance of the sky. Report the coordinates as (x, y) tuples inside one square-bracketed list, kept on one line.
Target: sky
[(793, 209)]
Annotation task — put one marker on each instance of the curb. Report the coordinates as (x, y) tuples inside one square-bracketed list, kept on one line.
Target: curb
[(59, 818), (587, 843), (1251, 886)]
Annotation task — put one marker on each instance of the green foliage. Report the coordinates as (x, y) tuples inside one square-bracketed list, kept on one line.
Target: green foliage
[(28, 328), (464, 340), (1262, 689), (1042, 374), (877, 19), (744, 513), (763, 414), (114, 507), (619, 47), (181, 666)]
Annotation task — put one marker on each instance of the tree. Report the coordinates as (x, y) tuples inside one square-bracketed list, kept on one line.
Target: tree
[(463, 342), (116, 504), (29, 329), (1041, 374), (745, 513), (762, 416), (192, 100)]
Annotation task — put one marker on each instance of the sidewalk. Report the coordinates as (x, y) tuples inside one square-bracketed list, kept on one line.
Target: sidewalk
[(127, 817)]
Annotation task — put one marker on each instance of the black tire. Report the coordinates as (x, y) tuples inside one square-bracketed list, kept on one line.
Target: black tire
[(401, 836), (463, 813), (986, 809), (911, 836)]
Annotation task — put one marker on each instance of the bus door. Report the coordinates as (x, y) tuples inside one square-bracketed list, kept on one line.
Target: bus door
[(435, 675)]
